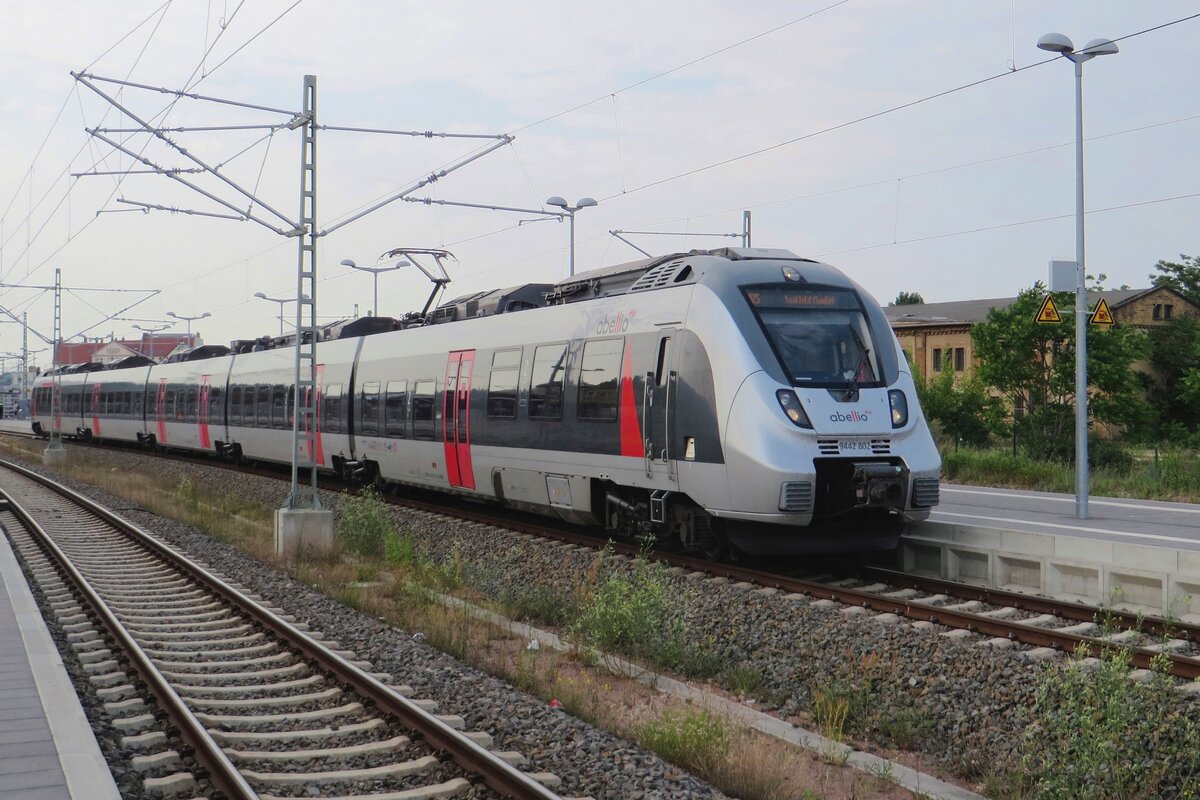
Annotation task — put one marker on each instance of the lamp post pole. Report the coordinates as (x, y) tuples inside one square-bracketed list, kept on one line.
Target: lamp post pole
[(583, 202), (347, 262), (282, 301), (153, 330), (1057, 43), (189, 321)]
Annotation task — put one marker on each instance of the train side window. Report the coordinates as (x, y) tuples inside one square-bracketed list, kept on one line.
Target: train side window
[(368, 409), (214, 405), (502, 384), (192, 404), (395, 410), (263, 405), (662, 368), (169, 405), (422, 409), (279, 407), (152, 401), (599, 378), (333, 408), (546, 382), (235, 405)]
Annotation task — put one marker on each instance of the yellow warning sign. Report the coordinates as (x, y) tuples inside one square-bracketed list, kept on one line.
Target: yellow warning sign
[(1101, 315), (1048, 313)]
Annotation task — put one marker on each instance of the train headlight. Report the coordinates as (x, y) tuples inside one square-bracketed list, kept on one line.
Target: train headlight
[(899, 404), (791, 406)]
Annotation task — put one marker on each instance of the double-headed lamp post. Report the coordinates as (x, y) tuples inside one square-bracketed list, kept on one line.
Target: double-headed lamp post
[(347, 262), (583, 202), (1057, 43), (189, 321), (153, 330), (282, 302)]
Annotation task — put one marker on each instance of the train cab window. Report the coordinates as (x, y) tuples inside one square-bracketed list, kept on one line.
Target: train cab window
[(546, 382), (820, 335), (263, 406), (662, 368), (333, 409), (502, 384), (395, 409), (599, 379), (279, 407), (368, 409), (422, 409)]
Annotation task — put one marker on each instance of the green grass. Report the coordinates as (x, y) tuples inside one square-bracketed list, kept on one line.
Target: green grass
[(1172, 475)]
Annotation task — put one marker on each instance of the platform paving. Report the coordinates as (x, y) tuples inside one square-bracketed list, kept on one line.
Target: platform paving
[(47, 750)]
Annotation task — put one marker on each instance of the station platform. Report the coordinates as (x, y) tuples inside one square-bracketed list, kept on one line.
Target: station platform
[(1139, 555), (47, 749)]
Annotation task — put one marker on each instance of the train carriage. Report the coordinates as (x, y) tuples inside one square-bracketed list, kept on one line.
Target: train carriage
[(740, 396)]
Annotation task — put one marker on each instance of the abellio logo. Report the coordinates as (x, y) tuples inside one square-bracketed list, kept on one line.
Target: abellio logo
[(851, 416), (618, 324)]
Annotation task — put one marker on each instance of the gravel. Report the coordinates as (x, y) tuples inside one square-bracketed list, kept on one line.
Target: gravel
[(966, 706), (589, 761)]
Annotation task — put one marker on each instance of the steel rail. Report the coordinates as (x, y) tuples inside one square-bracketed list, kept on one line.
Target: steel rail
[(497, 773), (1180, 666), (221, 771)]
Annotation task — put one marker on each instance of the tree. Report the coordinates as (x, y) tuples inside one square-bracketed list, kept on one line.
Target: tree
[(908, 299), (1182, 276), (965, 410), (1175, 356), (1033, 366)]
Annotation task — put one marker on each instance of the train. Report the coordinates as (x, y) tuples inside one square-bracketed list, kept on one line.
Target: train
[(738, 399)]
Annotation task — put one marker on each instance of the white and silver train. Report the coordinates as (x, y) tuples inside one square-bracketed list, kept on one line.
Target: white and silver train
[(743, 397)]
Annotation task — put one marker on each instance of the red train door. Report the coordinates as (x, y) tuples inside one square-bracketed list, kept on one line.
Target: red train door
[(96, 409), (202, 412), (160, 410), (456, 419)]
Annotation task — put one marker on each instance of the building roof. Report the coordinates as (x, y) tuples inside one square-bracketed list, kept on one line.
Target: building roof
[(968, 312), (155, 346)]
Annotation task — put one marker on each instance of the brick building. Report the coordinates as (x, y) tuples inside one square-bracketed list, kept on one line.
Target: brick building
[(933, 334), (157, 346)]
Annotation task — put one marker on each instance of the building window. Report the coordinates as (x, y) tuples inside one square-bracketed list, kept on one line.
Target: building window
[(937, 359), (959, 359), (1158, 311), (1167, 309)]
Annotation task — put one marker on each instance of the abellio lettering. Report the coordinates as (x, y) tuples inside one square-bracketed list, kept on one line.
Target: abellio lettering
[(852, 416), (610, 324)]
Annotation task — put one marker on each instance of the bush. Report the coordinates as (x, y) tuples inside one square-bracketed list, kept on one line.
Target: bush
[(364, 523), (399, 550), (1099, 735), (629, 613)]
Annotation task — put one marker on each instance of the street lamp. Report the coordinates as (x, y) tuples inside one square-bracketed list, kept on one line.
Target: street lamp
[(153, 330), (189, 321), (282, 301), (346, 262), (1057, 43), (584, 202)]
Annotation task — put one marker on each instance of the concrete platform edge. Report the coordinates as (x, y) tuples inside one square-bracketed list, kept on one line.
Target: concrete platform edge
[(86, 772)]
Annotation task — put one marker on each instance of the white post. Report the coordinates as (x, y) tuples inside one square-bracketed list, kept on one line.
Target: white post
[(1082, 486)]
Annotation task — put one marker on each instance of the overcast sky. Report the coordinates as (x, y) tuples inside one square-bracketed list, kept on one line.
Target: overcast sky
[(962, 196)]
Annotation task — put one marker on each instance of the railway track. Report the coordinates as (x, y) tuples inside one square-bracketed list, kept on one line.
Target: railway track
[(262, 708), (1007, 619), (1046, 625)]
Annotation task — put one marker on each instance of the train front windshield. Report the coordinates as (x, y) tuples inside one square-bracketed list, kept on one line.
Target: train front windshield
[(820, 335)]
